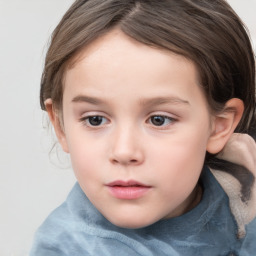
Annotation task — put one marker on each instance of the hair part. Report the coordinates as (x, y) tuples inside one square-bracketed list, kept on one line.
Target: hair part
[(207, 32)]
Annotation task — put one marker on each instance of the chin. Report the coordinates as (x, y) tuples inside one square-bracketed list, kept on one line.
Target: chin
[(131, 222)]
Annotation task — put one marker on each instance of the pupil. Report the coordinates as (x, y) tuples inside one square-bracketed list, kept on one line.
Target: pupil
[(157, 120), (95, 120)]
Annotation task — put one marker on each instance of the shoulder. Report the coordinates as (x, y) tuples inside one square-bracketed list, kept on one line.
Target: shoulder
[(248, 246), (57, 233), (48, 236)]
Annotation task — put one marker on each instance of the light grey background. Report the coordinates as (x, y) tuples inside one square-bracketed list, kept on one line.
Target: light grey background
[(32, 183)]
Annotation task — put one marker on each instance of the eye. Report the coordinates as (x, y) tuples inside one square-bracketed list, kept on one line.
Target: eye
[(159, 120), (94, 120)]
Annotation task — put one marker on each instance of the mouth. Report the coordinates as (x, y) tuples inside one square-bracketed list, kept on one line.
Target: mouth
[(127, 189)]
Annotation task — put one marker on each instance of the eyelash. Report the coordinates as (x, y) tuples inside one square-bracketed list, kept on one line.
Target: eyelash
[(88, 119), (164, 118)]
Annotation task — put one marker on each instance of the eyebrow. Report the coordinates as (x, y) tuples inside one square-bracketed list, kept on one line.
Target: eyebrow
[(163, 100), (143, 102), (88, 99)]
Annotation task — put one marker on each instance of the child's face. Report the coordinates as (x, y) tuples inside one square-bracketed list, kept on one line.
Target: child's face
[(137, 126)]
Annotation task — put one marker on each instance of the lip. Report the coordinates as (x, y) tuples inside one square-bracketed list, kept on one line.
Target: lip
[(127, 189)]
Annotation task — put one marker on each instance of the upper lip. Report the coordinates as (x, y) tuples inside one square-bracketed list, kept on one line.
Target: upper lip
[(129, 183)]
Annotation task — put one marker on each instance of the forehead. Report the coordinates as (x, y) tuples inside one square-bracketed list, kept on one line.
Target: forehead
[(115, 43), (115, 62), (117, 49)]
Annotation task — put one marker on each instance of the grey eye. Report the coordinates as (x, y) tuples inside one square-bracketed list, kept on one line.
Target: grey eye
[(95, 120), (157, 120)]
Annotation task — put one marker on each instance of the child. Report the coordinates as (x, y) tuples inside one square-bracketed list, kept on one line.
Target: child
[(145, 96)]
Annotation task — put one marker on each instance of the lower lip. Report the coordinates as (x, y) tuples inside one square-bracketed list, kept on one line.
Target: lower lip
[(128, 192)]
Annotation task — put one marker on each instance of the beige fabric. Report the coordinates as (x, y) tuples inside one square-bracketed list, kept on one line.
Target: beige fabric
[(241, 149)]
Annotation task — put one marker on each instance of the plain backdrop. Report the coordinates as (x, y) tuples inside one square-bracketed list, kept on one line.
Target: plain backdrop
[(32, 181)]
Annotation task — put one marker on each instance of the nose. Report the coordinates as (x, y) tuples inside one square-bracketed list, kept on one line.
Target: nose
[(126, 147)]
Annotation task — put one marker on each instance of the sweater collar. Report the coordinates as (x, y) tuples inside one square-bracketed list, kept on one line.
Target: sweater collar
[(238, 178)]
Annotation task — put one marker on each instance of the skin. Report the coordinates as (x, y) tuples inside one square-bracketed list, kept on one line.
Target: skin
[(153, 125)]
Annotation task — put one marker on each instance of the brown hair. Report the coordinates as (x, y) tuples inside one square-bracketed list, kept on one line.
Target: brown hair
[(208, 32)]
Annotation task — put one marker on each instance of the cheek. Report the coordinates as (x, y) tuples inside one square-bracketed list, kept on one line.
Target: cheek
[(183, 146), (181, 158), (85, 156)]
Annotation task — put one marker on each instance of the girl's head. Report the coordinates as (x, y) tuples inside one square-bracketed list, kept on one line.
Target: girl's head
[(138, 91)]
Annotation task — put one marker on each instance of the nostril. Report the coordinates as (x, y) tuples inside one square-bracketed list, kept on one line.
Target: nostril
[(124, 161), (114, 161)]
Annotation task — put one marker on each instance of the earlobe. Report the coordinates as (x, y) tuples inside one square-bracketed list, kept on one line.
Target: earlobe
[(56, 122), (224, 124)]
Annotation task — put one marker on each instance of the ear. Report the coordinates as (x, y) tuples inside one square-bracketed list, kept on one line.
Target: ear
[(56, 122), (224, 124)]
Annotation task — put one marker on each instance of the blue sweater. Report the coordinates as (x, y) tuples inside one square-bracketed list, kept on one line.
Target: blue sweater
[(77, 228)]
